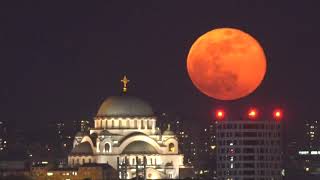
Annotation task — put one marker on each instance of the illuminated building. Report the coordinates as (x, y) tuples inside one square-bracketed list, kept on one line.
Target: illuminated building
[(208, 141), (125, 134), (58, 128), (207, 153), (90, 171), (3, 136), (307, 158), (249, 149), (312, 135), (84, 125)]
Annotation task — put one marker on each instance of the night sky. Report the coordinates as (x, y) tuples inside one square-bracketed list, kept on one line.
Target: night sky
[(59, 61)]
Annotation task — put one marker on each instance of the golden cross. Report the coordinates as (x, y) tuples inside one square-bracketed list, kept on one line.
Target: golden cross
[(125, 81)]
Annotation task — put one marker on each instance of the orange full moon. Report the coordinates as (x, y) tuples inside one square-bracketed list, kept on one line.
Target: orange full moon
[(226, 64)]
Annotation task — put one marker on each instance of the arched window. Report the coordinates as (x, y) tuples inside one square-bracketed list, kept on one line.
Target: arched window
[(83, 161), (77, 161), (72, 161), (171, 147), (89, 160), (107, 147)]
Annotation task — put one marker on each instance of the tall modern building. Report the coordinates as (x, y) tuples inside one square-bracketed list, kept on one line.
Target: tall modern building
[(249, 149), (306, 160), (208, 141), (125, 135), (312, 135), (3, 136)]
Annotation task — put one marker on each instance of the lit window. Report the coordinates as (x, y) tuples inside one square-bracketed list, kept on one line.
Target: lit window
[(107, 147), (307, 169), (303, 152), (314, 152), (171, 147)]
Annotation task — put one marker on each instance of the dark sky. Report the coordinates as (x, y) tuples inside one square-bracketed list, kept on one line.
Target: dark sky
[(59, 61)]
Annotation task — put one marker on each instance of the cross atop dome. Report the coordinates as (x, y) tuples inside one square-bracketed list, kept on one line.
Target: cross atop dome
[(125, 81)]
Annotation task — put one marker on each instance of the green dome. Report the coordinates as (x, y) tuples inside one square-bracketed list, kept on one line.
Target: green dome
[(125, 106)]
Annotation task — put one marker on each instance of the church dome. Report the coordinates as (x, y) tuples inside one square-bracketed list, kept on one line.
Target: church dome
[(139, 147), (125, 106), (82, 149), (105, 133), (168, 133), (81, 134)]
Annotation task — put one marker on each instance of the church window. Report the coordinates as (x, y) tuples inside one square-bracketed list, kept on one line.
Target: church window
[(171, 147), (107, 147)]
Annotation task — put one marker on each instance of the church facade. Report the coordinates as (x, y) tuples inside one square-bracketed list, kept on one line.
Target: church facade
[(125, 134)]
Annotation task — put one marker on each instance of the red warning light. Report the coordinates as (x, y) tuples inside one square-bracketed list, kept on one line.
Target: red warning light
[(220, 114), (277, 114), (253, 113)]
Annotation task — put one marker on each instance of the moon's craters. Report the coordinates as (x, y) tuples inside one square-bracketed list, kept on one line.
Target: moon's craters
[(226, 64)]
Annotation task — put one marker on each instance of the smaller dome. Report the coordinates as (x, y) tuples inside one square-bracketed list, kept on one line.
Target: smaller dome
[(168, 132), (81, 134), (139, 147), (82, 149), (105, 133)]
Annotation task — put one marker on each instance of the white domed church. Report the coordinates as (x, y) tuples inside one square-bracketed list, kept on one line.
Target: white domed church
[(125, 135)]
